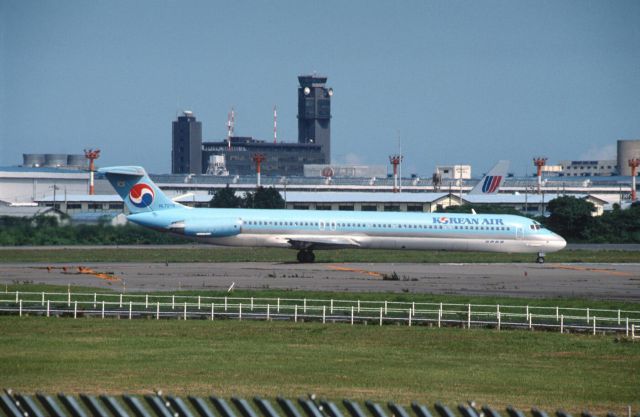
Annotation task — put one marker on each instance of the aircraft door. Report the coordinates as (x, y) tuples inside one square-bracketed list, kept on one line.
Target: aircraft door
[(519, 233)]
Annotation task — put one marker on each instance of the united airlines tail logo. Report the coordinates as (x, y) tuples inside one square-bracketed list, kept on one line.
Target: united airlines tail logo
[(491, 183), (141, 195)]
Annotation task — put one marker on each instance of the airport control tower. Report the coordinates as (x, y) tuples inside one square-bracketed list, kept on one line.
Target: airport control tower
[(314, 113), (186, 151)]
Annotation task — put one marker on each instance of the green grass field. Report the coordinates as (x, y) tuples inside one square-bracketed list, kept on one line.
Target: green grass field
[(399, 363), (217, 254)]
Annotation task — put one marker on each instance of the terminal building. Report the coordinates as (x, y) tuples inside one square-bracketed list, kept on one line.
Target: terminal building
[(190, 155)]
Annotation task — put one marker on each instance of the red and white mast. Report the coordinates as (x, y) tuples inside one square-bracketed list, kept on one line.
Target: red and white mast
[(230, 126)]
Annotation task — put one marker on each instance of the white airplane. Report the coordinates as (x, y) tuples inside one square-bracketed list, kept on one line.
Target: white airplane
[(307, 231)]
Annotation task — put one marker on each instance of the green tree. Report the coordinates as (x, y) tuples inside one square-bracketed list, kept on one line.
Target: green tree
[(225, 198), (570, 217), (264, 198)]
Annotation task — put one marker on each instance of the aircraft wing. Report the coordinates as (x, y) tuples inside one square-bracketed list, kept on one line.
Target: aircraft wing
[(321, 242)]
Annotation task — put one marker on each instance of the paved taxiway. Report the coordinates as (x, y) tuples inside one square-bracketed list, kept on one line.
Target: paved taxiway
[(595, 281)]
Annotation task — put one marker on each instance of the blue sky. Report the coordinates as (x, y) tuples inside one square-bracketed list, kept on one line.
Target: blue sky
[(461, 81)]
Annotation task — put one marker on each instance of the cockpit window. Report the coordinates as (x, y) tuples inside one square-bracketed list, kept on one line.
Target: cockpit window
[(535, 226)]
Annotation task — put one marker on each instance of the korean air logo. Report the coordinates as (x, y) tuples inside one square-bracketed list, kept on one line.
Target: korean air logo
[(443, 220), (141, 195), (491, 183)]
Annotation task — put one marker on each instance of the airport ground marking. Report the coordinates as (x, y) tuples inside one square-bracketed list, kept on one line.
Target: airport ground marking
[(359, 271), (589, 269)]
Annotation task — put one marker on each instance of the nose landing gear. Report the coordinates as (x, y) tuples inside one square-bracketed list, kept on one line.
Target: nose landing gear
[(306, 256), (540, 258)]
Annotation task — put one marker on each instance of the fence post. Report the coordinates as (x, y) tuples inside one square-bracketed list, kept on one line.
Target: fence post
[(527, 312), (75, 309), (212, 311), (173, 302), (499, 321), (225, 304), (562, 323), (331, 307), (251, 303), (413, 308), (95, 299), (358, 306), (385, 307), (157, 310), (497, 309), (618, 317), (185, 310), (587, 315), (633, 331), (48, 305), (268, 312), (627, 327), (530, 320), (102, 309), (146, 301), (120, 300), (42, 299), (352, 315), (130, 305), (557, 313), (380, 316), (324, 314), (304, 306), (594, 325), (468, 316), (240, 312), (278, 309), (20, 301), (439, 317), (409, 317), (295, 313), (68, 298)]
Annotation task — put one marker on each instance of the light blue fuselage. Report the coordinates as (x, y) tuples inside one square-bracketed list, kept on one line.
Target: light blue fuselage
[(326, 229)]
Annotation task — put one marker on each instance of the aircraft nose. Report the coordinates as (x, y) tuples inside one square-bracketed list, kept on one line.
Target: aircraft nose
[(557, 242)]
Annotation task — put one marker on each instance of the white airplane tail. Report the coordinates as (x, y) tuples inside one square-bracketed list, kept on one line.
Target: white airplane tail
[(491, 182)]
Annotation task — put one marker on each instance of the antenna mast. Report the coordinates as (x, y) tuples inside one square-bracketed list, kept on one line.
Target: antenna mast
[(230, 126), (275, 124)]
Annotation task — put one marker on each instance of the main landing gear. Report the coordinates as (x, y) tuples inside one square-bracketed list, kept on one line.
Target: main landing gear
[(540, 258), (306, 256)]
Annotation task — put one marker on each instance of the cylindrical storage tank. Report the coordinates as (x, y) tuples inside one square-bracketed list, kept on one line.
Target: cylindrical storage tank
[(77, 161), (55, 160), (627, 149), (32, 159)]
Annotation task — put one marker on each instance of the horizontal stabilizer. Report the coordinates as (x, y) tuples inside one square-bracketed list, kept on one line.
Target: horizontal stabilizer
[(124, 170)]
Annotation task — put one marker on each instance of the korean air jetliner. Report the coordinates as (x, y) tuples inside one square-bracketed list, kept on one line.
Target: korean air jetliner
[(307, 231)]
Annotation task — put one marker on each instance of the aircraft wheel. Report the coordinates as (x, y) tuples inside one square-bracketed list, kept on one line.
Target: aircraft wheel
[(310, 257), (301, 256), (540, 259)]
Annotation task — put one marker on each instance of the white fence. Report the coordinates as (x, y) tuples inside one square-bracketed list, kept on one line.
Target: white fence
[(562, 319)]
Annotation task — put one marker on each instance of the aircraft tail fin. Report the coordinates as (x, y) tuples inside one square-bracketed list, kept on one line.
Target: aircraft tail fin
[(491, 182), (137, 190)]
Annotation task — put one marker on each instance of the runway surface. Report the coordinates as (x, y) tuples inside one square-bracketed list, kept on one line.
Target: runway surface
[(593, 281)]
